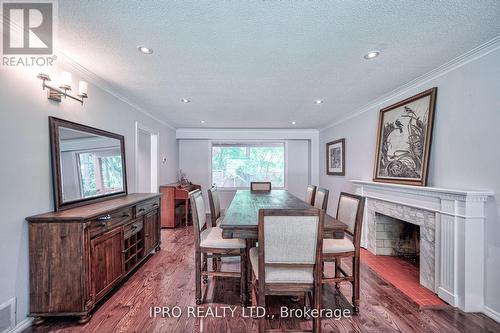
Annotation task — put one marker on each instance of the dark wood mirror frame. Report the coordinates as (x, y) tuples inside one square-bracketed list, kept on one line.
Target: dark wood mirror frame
[(54, 124)]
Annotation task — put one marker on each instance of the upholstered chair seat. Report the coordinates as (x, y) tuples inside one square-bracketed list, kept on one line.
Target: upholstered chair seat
[(338, 245), (283, 273), (212, 238)]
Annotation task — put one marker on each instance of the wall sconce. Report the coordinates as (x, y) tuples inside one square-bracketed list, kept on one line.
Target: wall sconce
[(56, 94)]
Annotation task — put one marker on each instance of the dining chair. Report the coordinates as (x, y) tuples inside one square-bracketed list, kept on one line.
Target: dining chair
[(260, 186), (321, 198), (216, 213), (210, 244), (288, 258), (310, 194), (349, 211)]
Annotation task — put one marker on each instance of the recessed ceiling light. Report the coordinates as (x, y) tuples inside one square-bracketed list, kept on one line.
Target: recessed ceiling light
[(318, 101), (293, 122), (145, 50), (184, 100), (202, 121), (372, 54)]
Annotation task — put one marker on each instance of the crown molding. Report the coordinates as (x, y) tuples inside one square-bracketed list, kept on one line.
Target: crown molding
[(245, 134), (470, 56), (104, 85)]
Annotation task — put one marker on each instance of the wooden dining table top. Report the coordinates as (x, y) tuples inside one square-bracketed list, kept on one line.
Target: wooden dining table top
[(242, 216)]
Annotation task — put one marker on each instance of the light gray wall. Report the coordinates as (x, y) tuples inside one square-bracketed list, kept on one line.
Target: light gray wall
[(195, 155), (297, 164), (25, 177), (465, 149)]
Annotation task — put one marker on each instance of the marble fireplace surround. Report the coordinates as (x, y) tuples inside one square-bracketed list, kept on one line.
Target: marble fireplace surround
[(426, 220), (451, 234)]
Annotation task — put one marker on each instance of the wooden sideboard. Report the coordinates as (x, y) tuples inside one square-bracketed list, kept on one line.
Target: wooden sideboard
[(174, 195), (78, 255)]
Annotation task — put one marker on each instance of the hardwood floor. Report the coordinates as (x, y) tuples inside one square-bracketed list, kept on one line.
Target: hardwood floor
[(167, 279)]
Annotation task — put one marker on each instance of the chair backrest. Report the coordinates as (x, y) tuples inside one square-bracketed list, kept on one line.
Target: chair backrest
[(321, 198), (310, 194), (214, 202), (260, 186), (290, 237), (198, 214), (350, 211)]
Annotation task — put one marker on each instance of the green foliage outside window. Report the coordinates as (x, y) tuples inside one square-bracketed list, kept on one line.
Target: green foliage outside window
[(239, 165)]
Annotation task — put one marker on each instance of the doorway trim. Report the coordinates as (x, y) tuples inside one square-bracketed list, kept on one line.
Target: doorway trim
[(155, 172)]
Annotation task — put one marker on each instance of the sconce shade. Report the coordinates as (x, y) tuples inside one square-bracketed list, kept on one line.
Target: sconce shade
[(83, 88), (56, 94), (65, 81)]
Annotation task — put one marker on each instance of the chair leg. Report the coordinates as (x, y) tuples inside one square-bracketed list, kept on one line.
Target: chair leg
[(243, 277), (337, 272), (249, 244), (214, 264), (204, 266), (317, 305), (197, 263), (355, 283)]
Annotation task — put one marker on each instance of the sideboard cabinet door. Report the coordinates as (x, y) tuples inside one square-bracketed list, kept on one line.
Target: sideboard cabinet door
[(151, 231), (107, 261)]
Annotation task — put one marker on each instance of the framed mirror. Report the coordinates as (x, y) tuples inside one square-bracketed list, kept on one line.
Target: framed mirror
[(88, 164)]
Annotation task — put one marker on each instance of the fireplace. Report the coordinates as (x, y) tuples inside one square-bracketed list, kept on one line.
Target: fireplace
[(451, 235), (396, 237), (391, 217)]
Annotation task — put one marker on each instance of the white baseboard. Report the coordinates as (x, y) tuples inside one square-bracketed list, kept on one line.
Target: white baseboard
[(491, 313), (22, 325)]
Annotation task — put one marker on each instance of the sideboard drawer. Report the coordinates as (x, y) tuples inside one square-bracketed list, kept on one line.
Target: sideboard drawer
[(106, 222), (132, 228), (145, 207)]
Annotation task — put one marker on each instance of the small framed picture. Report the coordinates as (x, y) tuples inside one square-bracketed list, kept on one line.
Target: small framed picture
[(335, 158)]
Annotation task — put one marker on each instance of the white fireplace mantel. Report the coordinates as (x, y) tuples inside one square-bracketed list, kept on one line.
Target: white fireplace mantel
[(459, 235)]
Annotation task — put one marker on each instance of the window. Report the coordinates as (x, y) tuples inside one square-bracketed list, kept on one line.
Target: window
[(236, 165), (100, 172)]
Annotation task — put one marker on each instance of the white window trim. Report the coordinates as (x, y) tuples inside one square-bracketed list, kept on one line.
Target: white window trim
[(243, 142)]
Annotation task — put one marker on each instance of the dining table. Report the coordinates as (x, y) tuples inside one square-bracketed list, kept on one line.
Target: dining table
[(242, 218)]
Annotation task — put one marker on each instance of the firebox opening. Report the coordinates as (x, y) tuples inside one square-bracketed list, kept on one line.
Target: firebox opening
[(398, 238)]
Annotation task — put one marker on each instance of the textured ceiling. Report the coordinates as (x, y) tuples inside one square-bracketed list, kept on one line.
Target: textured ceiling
[(247, 64)]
